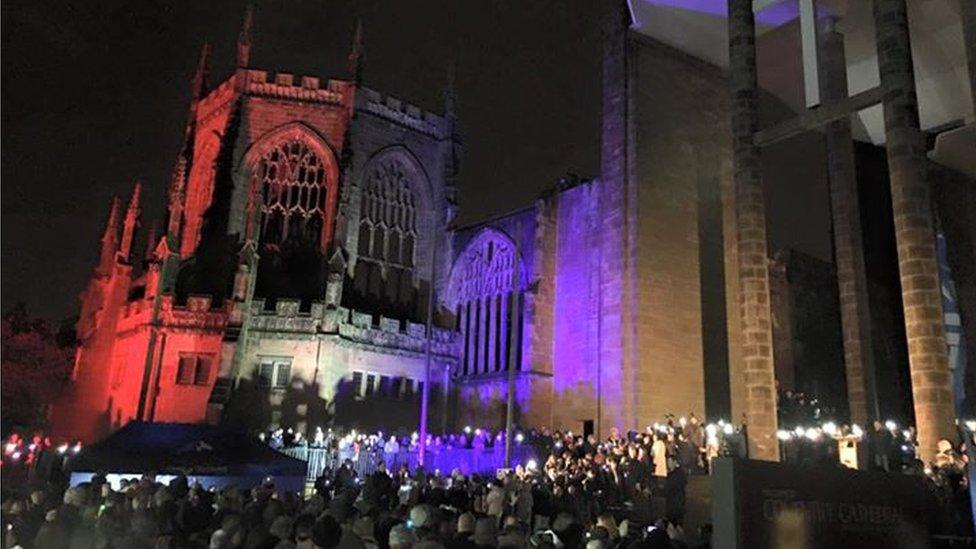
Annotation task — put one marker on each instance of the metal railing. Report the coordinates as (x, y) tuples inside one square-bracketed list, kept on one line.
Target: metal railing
[(468, 460)]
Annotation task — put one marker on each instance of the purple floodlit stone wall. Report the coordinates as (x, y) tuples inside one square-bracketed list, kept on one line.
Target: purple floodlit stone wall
[(484, 399), (576, 349)]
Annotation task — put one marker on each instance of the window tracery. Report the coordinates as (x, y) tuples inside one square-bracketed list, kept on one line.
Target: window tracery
[(388, 218), (481, 292), (294, 192)]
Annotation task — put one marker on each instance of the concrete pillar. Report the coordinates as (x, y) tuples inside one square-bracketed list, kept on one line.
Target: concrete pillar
[(848, 245), (914, 235), (753, 273)]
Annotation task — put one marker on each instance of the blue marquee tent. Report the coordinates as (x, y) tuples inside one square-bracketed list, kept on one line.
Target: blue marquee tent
[(211, 455)]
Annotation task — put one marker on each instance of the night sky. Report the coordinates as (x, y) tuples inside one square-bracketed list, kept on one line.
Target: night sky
[(95, 93)]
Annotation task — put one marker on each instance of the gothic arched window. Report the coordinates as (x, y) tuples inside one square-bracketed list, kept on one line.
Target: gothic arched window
[(481, 291), (293, 192), (388, 213)]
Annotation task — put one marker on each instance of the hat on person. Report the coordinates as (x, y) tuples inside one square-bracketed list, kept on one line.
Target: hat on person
[(401, 535), (465, 523), (485, 531)]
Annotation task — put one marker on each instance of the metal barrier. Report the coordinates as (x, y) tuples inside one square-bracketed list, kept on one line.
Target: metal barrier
[(468, 460)]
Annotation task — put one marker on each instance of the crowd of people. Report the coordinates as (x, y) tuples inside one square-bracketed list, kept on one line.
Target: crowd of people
[(710, 440), (626, 490)]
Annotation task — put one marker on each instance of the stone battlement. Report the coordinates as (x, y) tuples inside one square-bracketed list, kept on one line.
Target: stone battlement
[(288, 316), (280, 85), (398, 111), (290, 86), (199, 312)]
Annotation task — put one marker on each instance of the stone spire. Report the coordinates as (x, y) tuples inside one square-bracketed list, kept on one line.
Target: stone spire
[(452, 143), (356, 53), (177, 188), (131, 219), (244, 39), (198, 89), (198, 86), (450, 94), (109, 237), (150, 242)]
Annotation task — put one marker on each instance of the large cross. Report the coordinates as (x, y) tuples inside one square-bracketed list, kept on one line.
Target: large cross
[(808, 43)]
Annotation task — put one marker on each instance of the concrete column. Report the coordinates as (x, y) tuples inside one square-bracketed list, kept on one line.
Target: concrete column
[(914, 235), (753, 274), (848, 246)]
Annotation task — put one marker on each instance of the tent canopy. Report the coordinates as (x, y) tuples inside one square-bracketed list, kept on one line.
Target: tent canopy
[(190, 449)]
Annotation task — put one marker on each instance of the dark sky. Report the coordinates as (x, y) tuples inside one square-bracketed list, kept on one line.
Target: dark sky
[(94, 98)]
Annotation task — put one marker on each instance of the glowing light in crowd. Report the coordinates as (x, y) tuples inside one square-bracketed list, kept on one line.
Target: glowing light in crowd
[(784, 435), (519, 437), (532, 465), (891, 425), (971, 424), (856, 431), (800, 431), (727, 429), (467, 429), (812, 434), (830, 428), (63, 448)]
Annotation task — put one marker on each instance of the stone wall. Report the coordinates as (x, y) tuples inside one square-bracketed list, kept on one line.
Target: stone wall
[(577, 372), (680, 115)]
